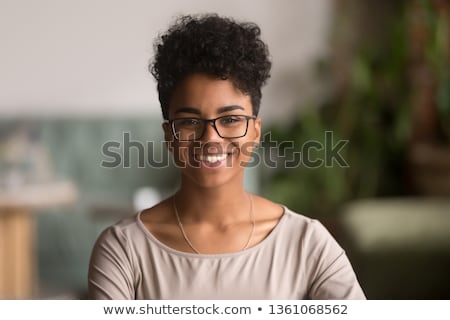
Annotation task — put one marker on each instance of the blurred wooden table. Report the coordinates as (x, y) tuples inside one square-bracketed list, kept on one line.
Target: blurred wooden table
[(18, 265)]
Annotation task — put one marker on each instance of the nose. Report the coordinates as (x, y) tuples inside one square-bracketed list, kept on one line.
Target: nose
[(210, 133)]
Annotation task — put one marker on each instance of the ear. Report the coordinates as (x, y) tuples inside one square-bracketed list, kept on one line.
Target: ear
[(257, 130), (168, 137)]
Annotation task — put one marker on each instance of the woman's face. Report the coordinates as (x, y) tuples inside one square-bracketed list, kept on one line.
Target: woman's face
[(211, 160)]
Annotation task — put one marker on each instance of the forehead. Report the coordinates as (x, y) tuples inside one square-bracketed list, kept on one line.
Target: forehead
[(207, 94)]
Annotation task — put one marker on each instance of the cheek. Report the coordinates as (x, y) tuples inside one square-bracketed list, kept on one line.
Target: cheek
[(180, 153), (183, 153), (245, 152)]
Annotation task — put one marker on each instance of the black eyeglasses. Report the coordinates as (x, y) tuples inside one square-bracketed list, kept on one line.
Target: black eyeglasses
[(228, 127)]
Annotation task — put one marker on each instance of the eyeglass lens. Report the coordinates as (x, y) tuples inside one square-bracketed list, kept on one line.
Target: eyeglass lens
[(232, 126)]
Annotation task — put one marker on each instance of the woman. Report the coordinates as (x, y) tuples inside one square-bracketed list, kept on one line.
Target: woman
[(212, 239)]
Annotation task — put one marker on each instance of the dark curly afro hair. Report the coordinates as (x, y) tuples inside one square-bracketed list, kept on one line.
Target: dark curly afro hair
[(213, 45)]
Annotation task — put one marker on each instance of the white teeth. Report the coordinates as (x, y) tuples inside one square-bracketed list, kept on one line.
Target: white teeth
[(213, 158)]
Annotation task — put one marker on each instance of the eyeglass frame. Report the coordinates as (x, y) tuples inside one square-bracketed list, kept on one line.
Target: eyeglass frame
[(213, 122)]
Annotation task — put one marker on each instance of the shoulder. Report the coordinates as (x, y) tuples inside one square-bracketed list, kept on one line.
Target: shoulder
[(288, 224), (311, 225), (135, 225), (118, 236), (112, 267), (137, 231), (123, 227), (268, 210), (310, 232)]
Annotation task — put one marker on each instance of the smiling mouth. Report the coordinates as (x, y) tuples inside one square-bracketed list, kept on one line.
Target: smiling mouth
[(212, 158)]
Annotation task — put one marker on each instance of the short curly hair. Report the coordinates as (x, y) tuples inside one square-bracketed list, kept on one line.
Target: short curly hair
[(213, 45)]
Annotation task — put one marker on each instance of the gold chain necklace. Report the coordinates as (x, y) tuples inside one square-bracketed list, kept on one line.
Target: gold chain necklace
[(180, 225)]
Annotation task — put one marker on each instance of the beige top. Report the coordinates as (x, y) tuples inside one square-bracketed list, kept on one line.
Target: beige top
[(299, 259)]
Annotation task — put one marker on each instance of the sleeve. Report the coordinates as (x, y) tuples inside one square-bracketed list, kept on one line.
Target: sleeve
[(331, 274), (110, 274)]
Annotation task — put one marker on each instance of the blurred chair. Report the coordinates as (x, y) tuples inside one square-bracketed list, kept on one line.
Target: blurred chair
[(400, 248)]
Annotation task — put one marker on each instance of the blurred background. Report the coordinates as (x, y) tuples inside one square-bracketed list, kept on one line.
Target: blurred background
[(73, 76)]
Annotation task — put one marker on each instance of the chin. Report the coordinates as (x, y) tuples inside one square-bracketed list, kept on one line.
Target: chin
[(214, 179)]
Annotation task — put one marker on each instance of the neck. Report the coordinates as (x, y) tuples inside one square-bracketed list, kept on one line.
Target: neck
[(218, 205)]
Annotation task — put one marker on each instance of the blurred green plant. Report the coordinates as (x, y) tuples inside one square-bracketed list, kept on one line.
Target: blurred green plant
[(372, 110), (438, 58)]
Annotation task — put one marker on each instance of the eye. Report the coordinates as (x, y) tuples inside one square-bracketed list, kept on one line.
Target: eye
[(188, 122), (231, 120)]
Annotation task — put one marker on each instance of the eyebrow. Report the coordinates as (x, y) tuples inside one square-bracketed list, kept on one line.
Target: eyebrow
[(187, 110), (220, 110), (229, 108)]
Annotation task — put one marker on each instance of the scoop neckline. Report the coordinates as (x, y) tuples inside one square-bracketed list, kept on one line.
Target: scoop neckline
[(171, 250)]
